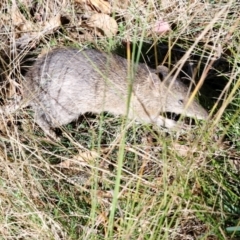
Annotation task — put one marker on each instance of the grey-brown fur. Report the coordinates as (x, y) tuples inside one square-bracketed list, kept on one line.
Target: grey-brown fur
[(66, 83)]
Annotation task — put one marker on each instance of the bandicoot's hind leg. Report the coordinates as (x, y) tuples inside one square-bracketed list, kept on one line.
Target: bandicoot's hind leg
[(41, 120)]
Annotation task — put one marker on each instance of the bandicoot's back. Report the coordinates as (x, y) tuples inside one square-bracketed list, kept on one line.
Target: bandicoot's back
[(65, 83)]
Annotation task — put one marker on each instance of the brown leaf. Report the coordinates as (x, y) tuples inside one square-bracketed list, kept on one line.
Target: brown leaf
[(82, 158), (25, 27), (34, 36), (99, 5), (105, 23), (19, 20), (52, 24), (87, 156), (182, 150)]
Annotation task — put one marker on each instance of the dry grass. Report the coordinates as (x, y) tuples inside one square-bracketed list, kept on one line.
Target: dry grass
[(107, 178)]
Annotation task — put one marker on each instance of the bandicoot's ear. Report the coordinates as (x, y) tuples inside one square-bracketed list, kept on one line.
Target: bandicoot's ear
[(162, 72), (157, 76), (163, 75), (160, 75)]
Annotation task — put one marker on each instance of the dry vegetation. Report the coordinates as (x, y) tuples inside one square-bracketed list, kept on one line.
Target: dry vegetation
[(108, 178)]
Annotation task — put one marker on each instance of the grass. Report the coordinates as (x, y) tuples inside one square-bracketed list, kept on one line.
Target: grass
[(110, 178)]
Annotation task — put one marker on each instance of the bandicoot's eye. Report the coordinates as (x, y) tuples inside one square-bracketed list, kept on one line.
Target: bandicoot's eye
[(180, 102)]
